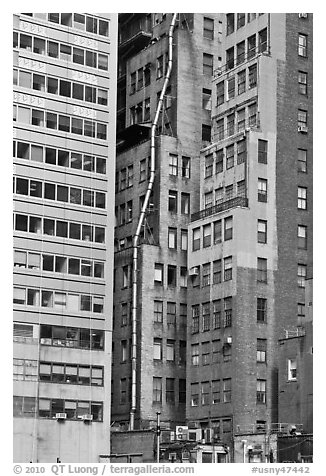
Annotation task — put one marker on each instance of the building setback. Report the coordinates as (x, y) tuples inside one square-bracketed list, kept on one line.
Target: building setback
[(64, 162), (226, 243)]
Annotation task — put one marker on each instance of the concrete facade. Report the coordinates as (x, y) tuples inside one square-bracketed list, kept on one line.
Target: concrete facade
[(64, 164)]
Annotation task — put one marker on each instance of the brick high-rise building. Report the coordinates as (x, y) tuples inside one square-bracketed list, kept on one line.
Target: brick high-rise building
[(64, 158), (251, 242), (226, 241)]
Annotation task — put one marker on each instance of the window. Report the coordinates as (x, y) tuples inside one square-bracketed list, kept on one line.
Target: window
[(217, 314), (220, 129), (173, 164), (157, 390), (241, 125), (217, 271), (241, 20), (226, 390), (302, 237), (195, 319), (262, 40), (302, 45), (184, 240), (208, 28), (185, 167), (230, 58), (227, 352), (262, 270), (171, 313), (216, 391), (209, 165), (194, 394), (206, 317), (170, 350), (158, 311), (241, 52), (262, 231), (172, 238), (124, 351), (262, 151), (251, 46), (252, 113), (261, 391), (183, 277), (169, 391), (292, 369), (252, 76), (172, 275), (195, 354), (207, 235), (302, 198), (205, 393), (196, 239), (228, 268), (301, 310), (182, 390), (208, 199), (140, 79), (241, 82), (230, 88), (229, 23), (302, 275), (159, 67), (302, 82), (228, 311), (219, 161), (261, 350), (158, 273), (24, 407), (217, 231), (183, 315), (173, 201), (157, 347), (229, 192), (262, 190), (220, 93), (302, 119), (206, 132), (207, 99), (261, 309), (228, 228), (241, 188), (185, 203), (207, 64), (302, 160)]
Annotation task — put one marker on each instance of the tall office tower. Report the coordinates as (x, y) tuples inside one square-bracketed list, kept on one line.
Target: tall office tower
[(149, 332), (251, 240), (64, 154)]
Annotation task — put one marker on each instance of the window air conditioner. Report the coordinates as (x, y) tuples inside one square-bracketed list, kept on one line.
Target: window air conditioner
[(228, 340), (303, 129), (87, 417), (194, 271), (181, 432), (303, 15), (61, 416)]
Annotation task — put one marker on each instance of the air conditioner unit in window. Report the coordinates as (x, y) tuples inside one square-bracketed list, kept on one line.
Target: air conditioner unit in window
[(172, 456), (61, 416), (228, 340), (303, 15), (181, 432), (87, 417), (303, 129), (194, 271)]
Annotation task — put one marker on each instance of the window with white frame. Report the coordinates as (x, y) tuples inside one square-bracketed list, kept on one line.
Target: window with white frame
[(302, 45), (302, 237), (261, 391), (302, 82), (292, 369), (172, 238), (195, 354), (262, 231), (173, 164), (302, 198), (158, 273), (302, 160), (261, 350), (157, 348), (207, 235), (228, 268)]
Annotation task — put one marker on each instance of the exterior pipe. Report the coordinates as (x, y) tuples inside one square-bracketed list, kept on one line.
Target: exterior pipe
[(136, 237)]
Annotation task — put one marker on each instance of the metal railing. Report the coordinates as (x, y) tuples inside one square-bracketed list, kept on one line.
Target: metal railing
[(272, 428), (220, 207), (299, 332)]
